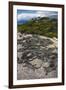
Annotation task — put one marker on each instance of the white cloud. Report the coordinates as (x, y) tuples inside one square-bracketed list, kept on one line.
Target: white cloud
[(27, 16)]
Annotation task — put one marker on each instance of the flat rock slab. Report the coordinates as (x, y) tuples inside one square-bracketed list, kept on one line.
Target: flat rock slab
[(36, 56)]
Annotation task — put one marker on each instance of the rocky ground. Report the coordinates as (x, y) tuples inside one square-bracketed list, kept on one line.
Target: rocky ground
[(36, 56)]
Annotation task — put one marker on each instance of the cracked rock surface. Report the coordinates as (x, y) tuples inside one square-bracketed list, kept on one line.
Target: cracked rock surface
[(36, 56)]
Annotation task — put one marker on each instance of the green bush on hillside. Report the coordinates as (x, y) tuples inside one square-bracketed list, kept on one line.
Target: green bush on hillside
[(42, 26)]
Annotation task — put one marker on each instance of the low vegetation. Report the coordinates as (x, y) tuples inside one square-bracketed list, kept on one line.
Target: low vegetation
[(42, 26)]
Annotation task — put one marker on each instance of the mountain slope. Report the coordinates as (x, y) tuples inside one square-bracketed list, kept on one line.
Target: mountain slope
[(42, 26)]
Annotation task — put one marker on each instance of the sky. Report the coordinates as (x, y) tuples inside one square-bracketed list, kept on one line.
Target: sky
[(23, 15)]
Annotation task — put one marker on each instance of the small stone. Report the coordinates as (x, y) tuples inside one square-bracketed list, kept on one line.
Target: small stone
[(29, 54), (36, 62), (52, 56), (45, 64)]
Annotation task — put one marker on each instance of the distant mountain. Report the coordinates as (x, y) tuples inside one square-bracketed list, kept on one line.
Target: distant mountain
[(23, 21), (54, 16)]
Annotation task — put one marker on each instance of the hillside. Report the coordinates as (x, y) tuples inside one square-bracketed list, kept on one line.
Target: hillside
[(37, 49), (42, 26)]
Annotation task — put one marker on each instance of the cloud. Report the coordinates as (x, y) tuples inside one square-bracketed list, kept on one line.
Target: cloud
[(27, 16)]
